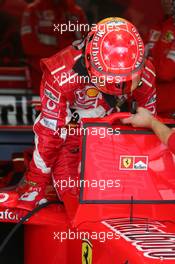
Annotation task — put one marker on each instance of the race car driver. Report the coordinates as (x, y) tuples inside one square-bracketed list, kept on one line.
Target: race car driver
[(161, 49), (39, 36), (143, 118), (89, 79)]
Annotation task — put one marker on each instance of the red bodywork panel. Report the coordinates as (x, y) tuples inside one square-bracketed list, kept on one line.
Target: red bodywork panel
[(133, 163), (139, 228), (136, 240), (140, 167)]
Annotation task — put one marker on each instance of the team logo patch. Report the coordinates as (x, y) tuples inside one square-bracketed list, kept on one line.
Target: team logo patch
[(86, 252), (49, 123), (155, 35), (4, 197), (133, 162), (127, 162), (29, 196), (50, 101), (51, 96), (152, 100), (168, 37), (92, 92), (86, 97)]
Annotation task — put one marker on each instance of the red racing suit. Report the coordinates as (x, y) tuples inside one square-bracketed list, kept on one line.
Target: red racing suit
[(63, 90), (161, 46), (38, 34), (171, 142)]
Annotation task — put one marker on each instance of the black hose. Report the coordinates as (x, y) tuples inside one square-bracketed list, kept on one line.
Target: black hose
[(23, 219)]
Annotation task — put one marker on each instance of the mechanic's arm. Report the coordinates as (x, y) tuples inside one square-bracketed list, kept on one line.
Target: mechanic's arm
[(143, 118)]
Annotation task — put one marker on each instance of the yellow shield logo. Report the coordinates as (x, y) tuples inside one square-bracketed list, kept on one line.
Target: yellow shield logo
[(92, 92), (168, 37), (86, 252), (127, 162)]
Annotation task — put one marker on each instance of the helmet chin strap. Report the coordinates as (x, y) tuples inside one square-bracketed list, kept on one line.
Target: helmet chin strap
[(123, 89)]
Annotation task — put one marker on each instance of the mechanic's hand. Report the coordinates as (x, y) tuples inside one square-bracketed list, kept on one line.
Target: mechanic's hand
[(143, 118)]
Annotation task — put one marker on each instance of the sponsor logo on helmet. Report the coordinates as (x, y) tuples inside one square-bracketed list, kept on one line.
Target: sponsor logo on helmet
[(96, 49), (140, 47)]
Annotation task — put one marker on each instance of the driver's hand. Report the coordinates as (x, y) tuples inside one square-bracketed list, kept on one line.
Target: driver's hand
[(117, 109), (143, 118)]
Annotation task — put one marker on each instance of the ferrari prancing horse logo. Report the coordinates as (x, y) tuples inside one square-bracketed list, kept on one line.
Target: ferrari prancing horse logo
[(86, 252), (127, 162)]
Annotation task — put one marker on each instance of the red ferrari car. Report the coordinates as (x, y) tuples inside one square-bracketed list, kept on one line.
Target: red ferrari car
[(125, 213)]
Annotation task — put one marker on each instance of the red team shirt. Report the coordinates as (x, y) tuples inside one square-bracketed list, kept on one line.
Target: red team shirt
[(162, 50), (161, 46)]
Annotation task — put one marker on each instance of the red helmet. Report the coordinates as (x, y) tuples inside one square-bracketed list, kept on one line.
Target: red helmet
[(114, 53)]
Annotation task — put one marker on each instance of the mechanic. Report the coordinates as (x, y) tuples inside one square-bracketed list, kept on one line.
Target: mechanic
[(161, 49), (39, 39), (11, 53), (112, 57), (144, 118)]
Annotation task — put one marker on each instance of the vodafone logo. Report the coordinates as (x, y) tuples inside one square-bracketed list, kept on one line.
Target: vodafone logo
[(51, 105), (8, 215), (4, 197)]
